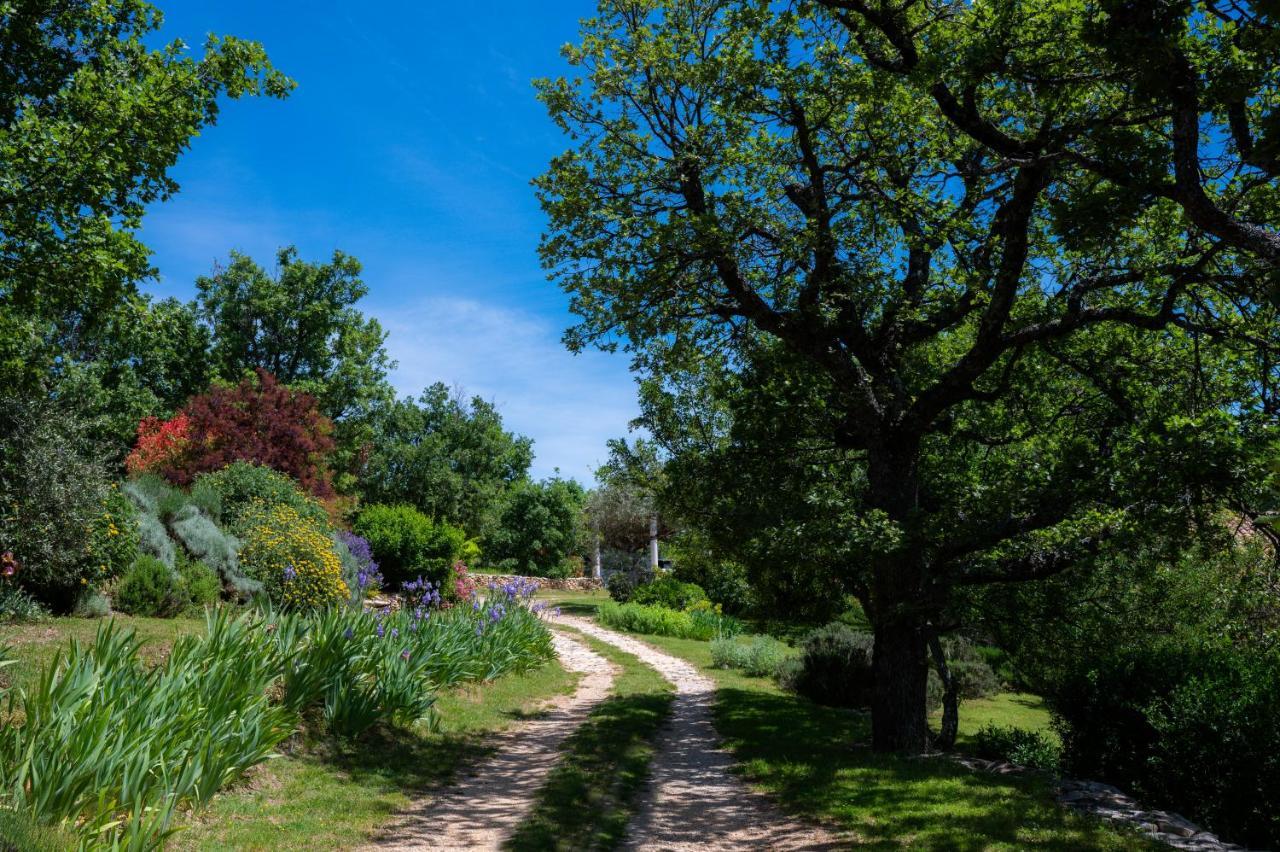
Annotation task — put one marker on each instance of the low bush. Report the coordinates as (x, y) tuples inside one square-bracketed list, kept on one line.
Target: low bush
[(702, 624), (406, 543), (215, 548), (1018, 746), (1184, 725), (621, 586), (835, 667), (969, 668), (292, 556), (668, 592), (150, 588), (759, 656), (226, 495), (59, 516)]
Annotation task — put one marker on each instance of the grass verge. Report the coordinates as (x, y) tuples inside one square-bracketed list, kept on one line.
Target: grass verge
[(591, 795)]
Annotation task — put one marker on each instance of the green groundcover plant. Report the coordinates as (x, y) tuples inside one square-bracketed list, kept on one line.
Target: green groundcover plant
[(108, 749), (699, 622)]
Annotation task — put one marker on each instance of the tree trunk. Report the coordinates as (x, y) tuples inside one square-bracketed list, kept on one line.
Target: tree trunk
[(946, 739), (900, 617), (898, 714)]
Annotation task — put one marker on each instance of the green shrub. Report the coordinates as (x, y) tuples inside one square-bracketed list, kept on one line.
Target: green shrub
[(621, 586), (225, 495), (1018, 746), (216, 549), (200, 583), (1180, 724), (973, 675), (668, 592), (17, 605), (758, 656), (91, 603), (408, 544), (293, 557), (836, 667), (150, 588), (55, 498), (661, 621)]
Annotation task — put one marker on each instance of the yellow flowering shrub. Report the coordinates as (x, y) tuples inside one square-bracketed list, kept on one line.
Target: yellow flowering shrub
[(293, 557)]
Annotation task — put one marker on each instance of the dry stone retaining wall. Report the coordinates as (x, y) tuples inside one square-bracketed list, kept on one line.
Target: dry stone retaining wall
[(560, 584)]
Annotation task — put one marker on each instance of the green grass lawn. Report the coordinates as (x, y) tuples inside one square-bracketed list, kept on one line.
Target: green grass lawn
[(323, 796), (815, 760), (33, 645), (591, 795)]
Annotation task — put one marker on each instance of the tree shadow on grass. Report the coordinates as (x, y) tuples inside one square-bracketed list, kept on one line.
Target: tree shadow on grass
[(409, 760), (591, 795), (815, 760)]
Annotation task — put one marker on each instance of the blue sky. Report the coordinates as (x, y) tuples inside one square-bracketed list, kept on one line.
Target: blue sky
[(409, 143)]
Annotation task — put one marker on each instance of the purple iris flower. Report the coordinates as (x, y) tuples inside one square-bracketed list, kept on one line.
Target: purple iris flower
[(290, 573)]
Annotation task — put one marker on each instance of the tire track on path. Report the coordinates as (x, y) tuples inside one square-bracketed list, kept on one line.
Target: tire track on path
[(693, 800), (488, 801)]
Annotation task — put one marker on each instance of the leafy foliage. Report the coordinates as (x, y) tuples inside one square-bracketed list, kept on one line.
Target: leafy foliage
[(836, 667), (668, 592), (1186, 724), (227, 494), (449, 458), (874, 335), (406, 543), (85, 77), (299, 325), (701, 623), (259, 421), (1018, 746), (536, 528), (57, 507)]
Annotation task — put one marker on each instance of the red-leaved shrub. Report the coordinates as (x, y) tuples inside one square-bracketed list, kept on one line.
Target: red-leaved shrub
[(161, 444), (259, 420)]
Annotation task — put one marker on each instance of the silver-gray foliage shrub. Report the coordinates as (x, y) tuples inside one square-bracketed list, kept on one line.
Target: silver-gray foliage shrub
[(215, 548)]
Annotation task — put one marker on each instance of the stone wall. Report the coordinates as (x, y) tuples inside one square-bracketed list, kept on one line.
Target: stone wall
[(561, 584)]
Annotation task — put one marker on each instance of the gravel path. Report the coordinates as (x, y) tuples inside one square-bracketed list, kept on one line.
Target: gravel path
[(486, 805), (693, 801)]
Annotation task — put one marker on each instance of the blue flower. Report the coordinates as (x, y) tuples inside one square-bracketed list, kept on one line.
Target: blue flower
[(381, 630), (290, 573), (348, 633)]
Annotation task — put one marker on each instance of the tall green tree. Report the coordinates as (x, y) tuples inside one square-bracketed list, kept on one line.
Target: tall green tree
[(929, 367), (147, 359), (536, 527), (1165, 99), (300, 324), (92, 119), (449, 457)]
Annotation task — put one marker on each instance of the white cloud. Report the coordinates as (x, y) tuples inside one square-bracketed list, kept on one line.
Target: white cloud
[(570, 405)]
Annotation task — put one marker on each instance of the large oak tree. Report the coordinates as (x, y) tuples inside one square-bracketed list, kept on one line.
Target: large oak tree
[(885, 346)]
